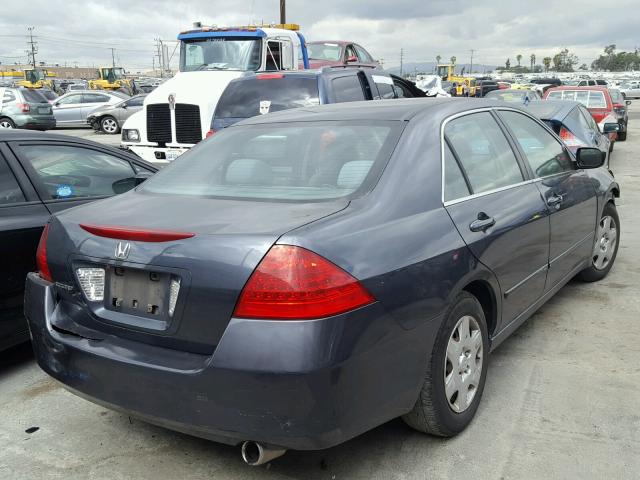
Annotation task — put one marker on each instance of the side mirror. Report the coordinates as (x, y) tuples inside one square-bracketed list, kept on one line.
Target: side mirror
[(124, 105), (588, 157), (142, 176), (628, 102), (611, 128), (352, 59), (57, 104)]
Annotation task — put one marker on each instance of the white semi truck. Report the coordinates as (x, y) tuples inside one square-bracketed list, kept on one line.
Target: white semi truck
[(178, 113)]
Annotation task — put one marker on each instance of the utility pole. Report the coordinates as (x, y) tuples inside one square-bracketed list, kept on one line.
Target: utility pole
[(283, 11), (471, 69), (113, 57), (401, 60), (32, 52), (160, 49)]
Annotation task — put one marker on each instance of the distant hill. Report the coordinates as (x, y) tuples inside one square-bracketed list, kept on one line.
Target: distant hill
[(429, 67)]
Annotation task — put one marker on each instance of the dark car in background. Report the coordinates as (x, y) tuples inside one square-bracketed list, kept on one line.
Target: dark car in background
[(262, 93), (338, 53), (573, 123), (25, 108), (304, 276), (621, 110), (484, 86), (41, 174)]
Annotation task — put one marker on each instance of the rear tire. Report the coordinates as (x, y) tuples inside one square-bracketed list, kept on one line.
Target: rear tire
[(6, 123), (453, 369), (622, 136), (109, 125), (605, 248)]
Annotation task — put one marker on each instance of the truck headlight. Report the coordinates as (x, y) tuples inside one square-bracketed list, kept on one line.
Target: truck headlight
[(130, 135)]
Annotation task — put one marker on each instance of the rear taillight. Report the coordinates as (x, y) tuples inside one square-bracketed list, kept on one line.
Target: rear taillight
[(292, 283), (24, 107), (135, 234), (210, 133), (570, 139), (41, 255)]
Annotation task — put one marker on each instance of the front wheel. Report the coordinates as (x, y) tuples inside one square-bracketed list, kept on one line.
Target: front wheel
[(109, 125), (456, 373), (605, 248)]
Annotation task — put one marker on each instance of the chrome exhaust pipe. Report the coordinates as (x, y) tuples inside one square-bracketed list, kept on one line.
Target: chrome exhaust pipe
[(254, 453)]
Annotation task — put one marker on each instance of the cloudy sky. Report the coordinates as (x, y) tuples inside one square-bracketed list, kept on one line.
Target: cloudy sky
[(83, 30)]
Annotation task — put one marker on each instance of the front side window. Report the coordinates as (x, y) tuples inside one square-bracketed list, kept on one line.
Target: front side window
[(220, 53), (545, 154), (347, 89), (300, 161), (68, 172), (324, 51), (10, 191), (135, 102), (483, 152)]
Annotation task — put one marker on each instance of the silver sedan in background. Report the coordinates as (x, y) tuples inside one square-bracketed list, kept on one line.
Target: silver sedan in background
[(72, 109), (110, 118)]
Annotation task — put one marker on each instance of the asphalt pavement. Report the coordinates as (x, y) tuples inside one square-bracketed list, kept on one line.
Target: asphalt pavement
[(562, 401)]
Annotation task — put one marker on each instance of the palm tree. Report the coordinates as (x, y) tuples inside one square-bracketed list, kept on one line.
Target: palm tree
[(533, 61), (518, 57), (547, 63), (508, 63), (438, 58), (453, 60)]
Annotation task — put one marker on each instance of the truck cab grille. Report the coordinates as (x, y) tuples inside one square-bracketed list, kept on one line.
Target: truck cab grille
[(158, 123), (188, 128)]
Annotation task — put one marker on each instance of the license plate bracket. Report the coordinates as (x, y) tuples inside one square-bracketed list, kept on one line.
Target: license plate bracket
[(138, 292)]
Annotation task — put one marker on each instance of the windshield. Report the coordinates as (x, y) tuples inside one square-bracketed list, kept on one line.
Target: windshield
[(220, 53), (324, 51), (303, 161), (34, 75)]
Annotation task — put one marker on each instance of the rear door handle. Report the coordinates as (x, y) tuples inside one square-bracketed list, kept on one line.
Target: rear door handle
[(483, 223), (554, 200)]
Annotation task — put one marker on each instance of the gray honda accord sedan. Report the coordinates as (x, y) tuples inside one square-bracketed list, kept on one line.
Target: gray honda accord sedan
[(302, 277)]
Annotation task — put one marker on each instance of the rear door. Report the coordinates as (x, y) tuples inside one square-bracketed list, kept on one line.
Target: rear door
[(67, 110), (568, 193), (500, 215), (22, 217)]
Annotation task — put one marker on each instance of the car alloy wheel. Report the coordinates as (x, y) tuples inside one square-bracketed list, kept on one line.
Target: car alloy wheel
[(109, 125), (606, 240), (463, 364), (6, 124)]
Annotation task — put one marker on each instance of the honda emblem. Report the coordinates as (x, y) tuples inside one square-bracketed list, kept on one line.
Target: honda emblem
[(122, 250)]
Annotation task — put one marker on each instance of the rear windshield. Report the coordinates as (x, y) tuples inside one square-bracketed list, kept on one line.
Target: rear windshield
[(616, 96), (510, 96), (302, 161), (248, 98), (589, 98), (32, 96)]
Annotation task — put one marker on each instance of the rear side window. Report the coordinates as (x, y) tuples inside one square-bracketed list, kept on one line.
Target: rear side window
[(68, 172), (135, 102), (455, 186), (298, 161), (10, 191), (94, 98), (32, 96), (8, 97), (385, 86), (545, 154), (71, 99), (483, 151), (248, 98), (347, 89)]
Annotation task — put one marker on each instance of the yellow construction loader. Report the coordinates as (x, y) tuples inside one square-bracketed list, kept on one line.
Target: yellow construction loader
[(448, 74), (112, 78)]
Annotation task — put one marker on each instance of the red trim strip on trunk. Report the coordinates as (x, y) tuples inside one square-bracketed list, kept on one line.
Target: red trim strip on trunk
[(135, 234)]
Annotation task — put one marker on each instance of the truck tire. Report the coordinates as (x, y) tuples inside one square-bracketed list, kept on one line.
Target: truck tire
[(458, 365)]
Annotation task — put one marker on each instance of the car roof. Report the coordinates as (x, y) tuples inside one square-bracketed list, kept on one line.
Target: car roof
[(19, 135), (552, 109), (385, 110), (601, 88)]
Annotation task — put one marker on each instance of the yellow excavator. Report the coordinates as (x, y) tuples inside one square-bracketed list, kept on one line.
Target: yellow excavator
[(448, 74), (112, 78), (36, 78)]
